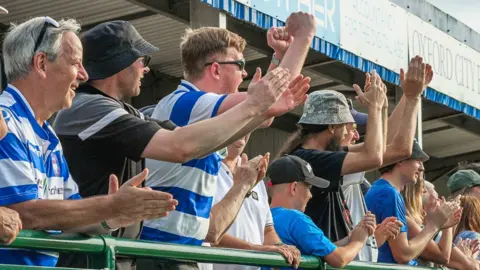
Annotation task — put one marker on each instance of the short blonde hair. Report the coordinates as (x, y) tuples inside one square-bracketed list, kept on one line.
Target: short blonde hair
[(198, 45)]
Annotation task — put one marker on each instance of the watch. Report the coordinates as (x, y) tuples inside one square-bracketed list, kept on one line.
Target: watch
[(106, 227), (275, 60)]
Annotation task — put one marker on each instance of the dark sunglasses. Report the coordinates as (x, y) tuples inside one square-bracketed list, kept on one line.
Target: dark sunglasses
[(48, 22), (145, 60), (240, 63)]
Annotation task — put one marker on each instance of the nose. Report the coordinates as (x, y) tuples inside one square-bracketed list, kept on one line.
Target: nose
[(82, 74), (356, 136), (244, 73)]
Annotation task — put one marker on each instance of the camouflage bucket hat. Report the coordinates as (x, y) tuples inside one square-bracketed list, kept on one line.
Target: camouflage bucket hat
[(326, 107)]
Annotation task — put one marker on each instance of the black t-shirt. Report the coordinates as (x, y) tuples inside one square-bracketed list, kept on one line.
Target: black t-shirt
[(327, 208), (100, 136)]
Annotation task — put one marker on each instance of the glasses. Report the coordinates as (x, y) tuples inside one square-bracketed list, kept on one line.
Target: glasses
[(240, 63), (48, 22), (145, 60)]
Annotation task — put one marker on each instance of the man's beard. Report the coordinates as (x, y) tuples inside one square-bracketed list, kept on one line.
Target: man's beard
[(334, 145)]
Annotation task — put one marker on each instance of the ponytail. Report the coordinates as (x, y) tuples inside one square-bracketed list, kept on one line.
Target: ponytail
[(299, 137)]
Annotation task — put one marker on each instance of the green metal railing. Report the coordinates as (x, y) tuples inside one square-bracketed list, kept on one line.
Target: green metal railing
[(105, 248)]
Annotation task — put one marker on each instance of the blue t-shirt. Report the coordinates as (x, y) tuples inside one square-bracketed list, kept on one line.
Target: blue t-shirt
[(384, 201), (297, 229)]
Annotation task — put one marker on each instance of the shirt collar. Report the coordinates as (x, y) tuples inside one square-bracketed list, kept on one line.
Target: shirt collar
[(189, 86)]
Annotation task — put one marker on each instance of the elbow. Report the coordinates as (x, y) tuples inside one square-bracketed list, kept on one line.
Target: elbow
[(339, 263), (182, 152), (267, 123), (213, 237), (403, 152), (402, 259), (376, 160)]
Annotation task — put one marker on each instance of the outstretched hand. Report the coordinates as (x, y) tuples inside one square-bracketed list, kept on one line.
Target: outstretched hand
[(295, 96)]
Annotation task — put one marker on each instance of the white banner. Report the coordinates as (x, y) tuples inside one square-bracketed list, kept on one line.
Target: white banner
[(456, 66), (375, 30)]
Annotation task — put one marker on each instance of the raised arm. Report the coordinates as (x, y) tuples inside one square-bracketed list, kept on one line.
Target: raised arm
[(204, 137), (372, 151), (413, 82)]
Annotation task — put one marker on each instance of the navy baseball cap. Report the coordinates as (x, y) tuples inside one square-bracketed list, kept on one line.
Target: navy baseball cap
[(290, 168), (110, 47)]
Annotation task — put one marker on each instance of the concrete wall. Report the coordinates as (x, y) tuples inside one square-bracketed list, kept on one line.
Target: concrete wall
[(442, 21)]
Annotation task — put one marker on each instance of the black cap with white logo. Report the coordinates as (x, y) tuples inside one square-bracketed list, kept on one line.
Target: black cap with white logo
[(290, 168)]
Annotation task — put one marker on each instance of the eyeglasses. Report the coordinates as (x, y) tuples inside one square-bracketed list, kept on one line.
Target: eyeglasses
[(48, 22), (145, 60), (240, 63)]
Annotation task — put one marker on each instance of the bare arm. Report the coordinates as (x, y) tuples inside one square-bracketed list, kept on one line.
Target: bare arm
[(459, 261), (342, 256), (124, 207), (395, 118), (372, 150), (270, 236), (68, 214), (401, 146), (202, 138), (434, 253), (245, 177), (404, 250)]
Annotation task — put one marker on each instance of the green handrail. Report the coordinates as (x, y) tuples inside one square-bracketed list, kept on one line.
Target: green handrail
[(105, 248)]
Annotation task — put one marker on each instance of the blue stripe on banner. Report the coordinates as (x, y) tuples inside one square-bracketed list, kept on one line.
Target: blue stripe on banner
[(189, 202), (152, 234), (265, 21), (26, 257), (181, 111), (209, 164), (217, 105), (16, 194)]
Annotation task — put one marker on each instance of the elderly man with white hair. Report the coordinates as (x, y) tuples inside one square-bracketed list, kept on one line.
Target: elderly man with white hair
[(43, 63)]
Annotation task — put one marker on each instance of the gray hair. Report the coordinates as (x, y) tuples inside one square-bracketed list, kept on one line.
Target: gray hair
[(19, 44)]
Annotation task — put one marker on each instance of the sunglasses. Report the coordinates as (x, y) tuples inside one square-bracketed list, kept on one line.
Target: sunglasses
[(240, 63), (145, 60), (48, 22)]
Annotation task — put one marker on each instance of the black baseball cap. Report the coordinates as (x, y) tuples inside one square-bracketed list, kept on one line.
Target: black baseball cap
[(110, 47), (290, 168)]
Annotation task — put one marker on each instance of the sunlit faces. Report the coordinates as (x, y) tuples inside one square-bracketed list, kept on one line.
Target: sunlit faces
[(64, 75), (302, 194), (130, 78), (226, 70), (411, 170), (352, 135)]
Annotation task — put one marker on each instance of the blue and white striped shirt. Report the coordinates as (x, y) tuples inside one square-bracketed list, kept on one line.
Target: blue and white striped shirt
[(32, 167), (192, 183)]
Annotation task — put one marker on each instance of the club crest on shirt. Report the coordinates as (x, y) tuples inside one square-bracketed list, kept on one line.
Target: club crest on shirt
[(55, 165)]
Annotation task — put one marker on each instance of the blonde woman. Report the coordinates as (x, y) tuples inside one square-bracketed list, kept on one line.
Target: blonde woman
[(469, 226), (438, 251), (418, 199)]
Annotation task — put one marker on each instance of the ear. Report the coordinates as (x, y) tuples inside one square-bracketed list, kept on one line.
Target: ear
[(40, 63), (291, 188), (214, 71), (331, 128)]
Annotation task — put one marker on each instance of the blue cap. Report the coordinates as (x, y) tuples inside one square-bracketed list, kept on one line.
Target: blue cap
[(360, 118)]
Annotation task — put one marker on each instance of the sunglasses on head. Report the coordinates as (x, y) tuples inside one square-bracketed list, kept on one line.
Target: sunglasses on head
[(240, 63), (48, 22)]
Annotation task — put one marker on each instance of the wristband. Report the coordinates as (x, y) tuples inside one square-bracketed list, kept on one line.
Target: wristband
[(275, 60), (106, 227)]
